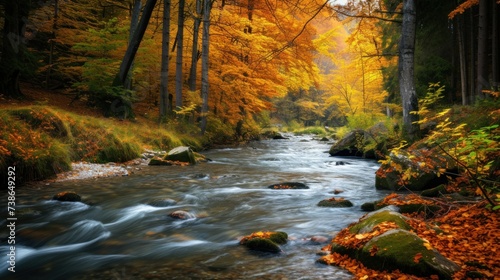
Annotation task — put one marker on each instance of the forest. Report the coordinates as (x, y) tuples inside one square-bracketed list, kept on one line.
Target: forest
[(104, 80)]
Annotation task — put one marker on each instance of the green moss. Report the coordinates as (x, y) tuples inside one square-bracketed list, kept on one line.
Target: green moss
[(262, 244), (335, 203), (279, 237), (367, 224)]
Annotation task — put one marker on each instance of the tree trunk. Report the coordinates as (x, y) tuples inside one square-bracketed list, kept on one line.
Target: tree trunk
[(482, 38), (406, 71), (13, 47), (463, 66), (165, 105), (134, 21), (494, 46), (178, 61), (52, 44), (194, 54), (134, 44), (207, 6)]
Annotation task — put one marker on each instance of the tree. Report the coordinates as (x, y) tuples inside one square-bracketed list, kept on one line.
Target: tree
[(13, 47), (195, 52), (134, 44), (406, 71), (178, 63), (164, 96), (207, 6)]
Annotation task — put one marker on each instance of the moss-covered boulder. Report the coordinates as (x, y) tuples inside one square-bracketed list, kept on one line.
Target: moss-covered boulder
[(67, 196), (349, 145), (335, 203), (389, 175), (368, 222), (288, 186), (160, 161), (181, 154), (435, 192), (382, 240), (267, 241), (403, 250)]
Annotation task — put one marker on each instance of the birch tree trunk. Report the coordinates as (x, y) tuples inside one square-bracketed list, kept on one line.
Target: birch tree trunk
[(165, 107), (207, 6), (406, 71)]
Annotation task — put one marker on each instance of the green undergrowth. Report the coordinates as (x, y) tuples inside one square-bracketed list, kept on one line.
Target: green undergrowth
[(41, 141)]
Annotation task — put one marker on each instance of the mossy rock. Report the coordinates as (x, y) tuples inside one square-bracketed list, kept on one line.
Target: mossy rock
[(428, 210), (367, 223), (288, 186), (265, 241), (182, 154), (159, 161), (279, 237), (335, 203), (435, 192), (67, 196), (403, 250), (368, 206), (262, 244)]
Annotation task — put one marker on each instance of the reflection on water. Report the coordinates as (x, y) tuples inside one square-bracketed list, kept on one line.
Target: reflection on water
[(116, 234)]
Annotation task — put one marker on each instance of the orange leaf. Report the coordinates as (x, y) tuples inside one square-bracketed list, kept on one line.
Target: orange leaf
[(417, 257)]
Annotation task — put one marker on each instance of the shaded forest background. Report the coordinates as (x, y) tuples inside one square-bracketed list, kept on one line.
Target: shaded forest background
[(292, 63)]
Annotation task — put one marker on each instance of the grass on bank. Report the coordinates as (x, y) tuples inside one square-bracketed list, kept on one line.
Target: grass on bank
[(41, 141)]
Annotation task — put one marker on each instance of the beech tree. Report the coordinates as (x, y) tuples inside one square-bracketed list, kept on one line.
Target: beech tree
[(165, 102), (406, 71)]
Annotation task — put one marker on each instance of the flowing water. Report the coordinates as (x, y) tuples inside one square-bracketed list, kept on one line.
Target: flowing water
[(115, 234)]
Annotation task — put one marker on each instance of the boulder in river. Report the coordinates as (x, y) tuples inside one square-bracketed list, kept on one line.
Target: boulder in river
[(182, 215), (288, 186), (67, 196), (181, 154), (335, 202), (265, 241)]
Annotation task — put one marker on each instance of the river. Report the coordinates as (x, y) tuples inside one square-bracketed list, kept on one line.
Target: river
[(115, 234)]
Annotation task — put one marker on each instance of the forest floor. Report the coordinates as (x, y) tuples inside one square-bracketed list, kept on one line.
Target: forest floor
[(472, 238)]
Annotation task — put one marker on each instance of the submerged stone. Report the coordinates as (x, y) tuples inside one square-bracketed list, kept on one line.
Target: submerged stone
[(288, 185), (335, 202), (67, 196), (265, 241)]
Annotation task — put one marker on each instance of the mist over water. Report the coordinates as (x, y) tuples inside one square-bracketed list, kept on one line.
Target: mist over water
[(115, 234)]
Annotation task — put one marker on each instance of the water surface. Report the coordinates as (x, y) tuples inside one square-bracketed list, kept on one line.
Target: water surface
[(115, 234)]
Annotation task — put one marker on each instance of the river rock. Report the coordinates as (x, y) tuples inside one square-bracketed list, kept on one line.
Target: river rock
[(397, 248), (182, 215), (388, 177), (181, 154), (288, 186), (279, 137), (67, 196), (265, 241), (159, 161), (349, 145), (335, 202)]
